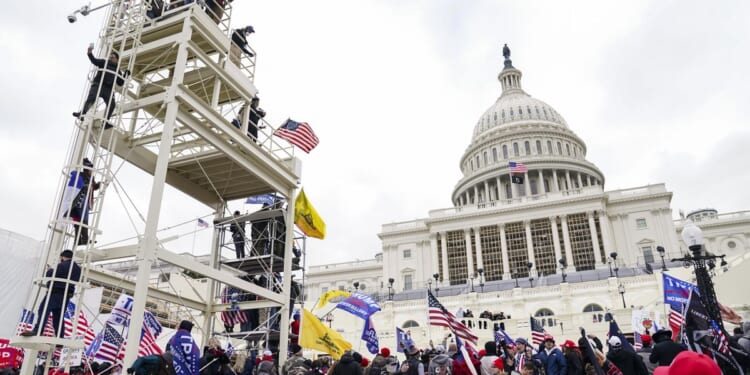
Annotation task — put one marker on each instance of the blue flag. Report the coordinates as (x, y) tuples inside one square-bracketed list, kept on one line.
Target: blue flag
[(676, 291), (614, 330), (370, 337), (185, 353), (501, 335), (360, 304), (403, 340), (263, 199)]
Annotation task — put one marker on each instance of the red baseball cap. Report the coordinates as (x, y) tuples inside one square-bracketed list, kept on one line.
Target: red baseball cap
[(498, 363), (690, 363), (569, 344)]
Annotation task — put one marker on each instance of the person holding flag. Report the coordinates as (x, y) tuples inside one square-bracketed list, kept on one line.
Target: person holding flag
[(185, 352)]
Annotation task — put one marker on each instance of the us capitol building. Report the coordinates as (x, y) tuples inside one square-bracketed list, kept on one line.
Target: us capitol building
[(558, 246)]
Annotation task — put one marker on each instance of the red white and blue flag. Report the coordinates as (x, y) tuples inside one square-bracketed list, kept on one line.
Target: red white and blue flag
[(108, 345), (83, 325), (637, 341), (517, 167), (299, 134), (202, 223), (537, 331), (27, 322), (439, 316)]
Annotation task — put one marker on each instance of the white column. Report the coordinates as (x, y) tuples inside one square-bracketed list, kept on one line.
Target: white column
[(434, 253), (500, 190), (478, 241), (606, 229), (529, 242), (527, 183), (628, 246), (513, 188), (469, 257), (556, 182), (580, 181), (556, 238), (589, 178), (594, 239), (567, 180), (566, 240), (486, 191), (540, 183), (444, 247), (476, 195), (504, 252)]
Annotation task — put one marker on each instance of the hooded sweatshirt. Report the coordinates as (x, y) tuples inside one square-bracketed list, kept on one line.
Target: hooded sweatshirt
[(347, 366), (441, 359)]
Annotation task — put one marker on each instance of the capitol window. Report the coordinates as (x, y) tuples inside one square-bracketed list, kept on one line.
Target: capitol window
[(494, 155), (648, 254), (539, 147), (559, 148), (567, 148), (407, 253), (408, 278), (477, 161), (527, 148), (486, 161), (731, 244), (592, 307), (505, 151), (549, 147), (410, 324), (640, 223), (515, 149)]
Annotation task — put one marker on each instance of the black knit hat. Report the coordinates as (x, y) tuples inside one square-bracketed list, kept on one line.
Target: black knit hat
[(186, 325), (66, 254)]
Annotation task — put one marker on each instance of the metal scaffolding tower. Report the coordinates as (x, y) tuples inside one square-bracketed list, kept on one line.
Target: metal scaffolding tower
[(171, 122)]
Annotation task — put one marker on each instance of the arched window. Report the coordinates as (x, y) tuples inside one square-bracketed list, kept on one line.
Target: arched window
[(549, 147), (494, 155), (575, 151), (410, 324), (486, 161), (515, 149), (539, 147), (567, 148), (559, 149), (505, 151), (527, 147), (477, 161), (544, 312), (592, 307), (472, 165)]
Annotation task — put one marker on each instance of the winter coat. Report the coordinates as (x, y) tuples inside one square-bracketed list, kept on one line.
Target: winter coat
[(440, 360), (664, 352), (554, 363), (347, 366), (628, 362)]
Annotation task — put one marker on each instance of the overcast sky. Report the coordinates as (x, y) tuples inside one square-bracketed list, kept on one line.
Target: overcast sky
[(393, 89)]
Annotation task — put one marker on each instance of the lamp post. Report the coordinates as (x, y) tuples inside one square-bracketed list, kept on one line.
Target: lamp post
[(661, 251), (437, 285), (356, 285), (515, 276), (699, 259), (531, 278), (613, 255), (621, 290), (329, 319), (390, 289), (563, 266), (481, 279), (471, 282)]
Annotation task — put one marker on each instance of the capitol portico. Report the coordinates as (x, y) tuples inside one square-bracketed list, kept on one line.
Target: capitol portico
[(557, 246)]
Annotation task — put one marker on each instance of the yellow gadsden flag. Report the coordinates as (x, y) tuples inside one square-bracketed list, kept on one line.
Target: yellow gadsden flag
[(315, 335), (329, 295), (307, 219)]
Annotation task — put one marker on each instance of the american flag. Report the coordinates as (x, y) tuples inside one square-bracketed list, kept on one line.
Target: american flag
[(150, 331), (202, 223), (299, 134), (637, 341), (537, 331), (108, 345), (517, 167), (83, 325), (722, 345), (501, 335), (439, 316), (27, 322), (676, 320), (232, 317), (49, 330)]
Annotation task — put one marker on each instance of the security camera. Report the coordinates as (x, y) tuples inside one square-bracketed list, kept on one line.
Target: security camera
[(85, 10), (72, 18)]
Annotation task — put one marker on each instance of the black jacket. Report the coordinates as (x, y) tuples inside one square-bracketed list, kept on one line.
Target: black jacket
[(238, 38), (61, 272), (575, 363), (628, 362), (109, 69), (347, 366), (664, 352)]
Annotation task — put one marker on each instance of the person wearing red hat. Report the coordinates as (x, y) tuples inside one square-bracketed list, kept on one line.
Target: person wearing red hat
[(380, 362), (690, 363), (573, 357), (645, 352), (551, 357)]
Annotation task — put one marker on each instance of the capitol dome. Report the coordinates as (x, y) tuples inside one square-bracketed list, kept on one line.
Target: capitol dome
[(522, 129)]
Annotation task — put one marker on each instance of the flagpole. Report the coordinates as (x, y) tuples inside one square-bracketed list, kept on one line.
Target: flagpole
[(192, 250)]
